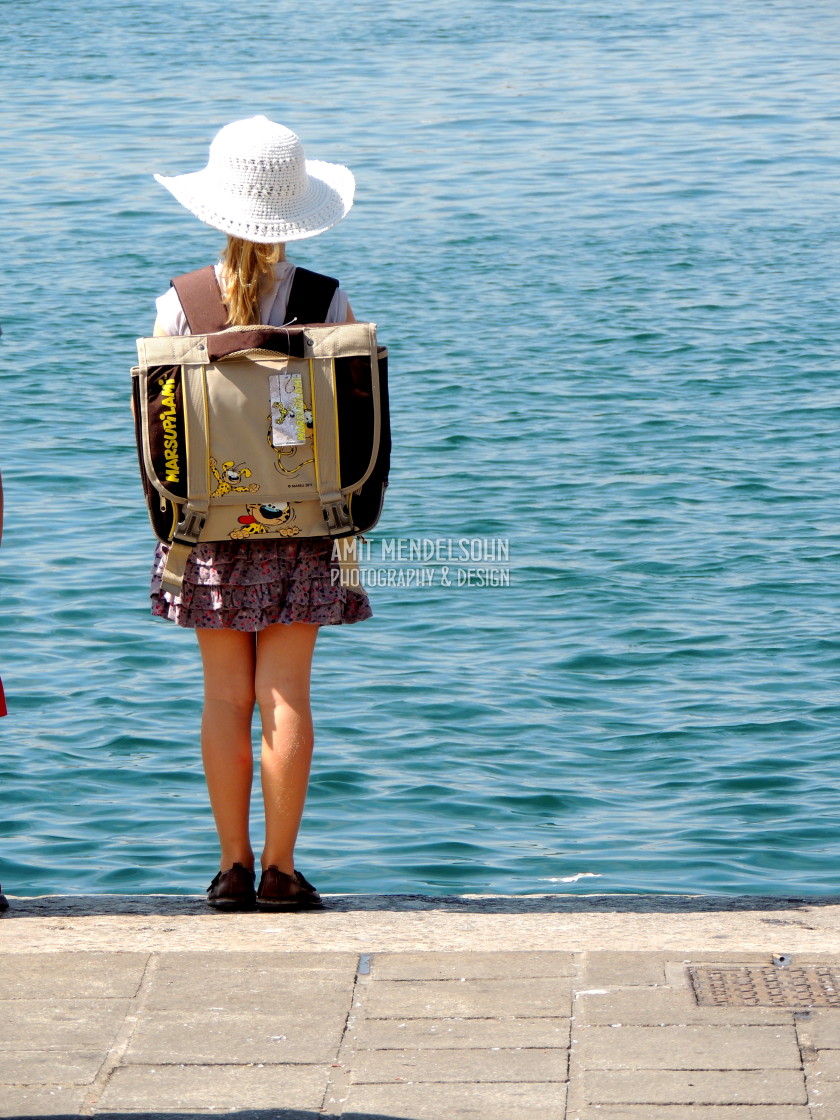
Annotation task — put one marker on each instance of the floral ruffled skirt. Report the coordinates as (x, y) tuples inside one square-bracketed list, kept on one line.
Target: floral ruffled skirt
[(232, 585)]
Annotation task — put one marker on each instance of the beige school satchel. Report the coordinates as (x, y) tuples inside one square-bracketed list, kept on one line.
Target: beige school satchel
[(255, 432)]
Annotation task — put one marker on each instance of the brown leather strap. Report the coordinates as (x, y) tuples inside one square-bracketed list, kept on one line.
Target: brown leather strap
[(201, 300), (206, 313), (310, 297), (281, 340)]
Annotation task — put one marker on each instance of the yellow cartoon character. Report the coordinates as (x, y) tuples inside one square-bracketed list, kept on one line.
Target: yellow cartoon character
[(284, 413), (266, 519), (229, 478)]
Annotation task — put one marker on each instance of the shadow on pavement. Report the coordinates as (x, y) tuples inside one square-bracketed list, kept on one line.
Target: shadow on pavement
[(56, 906), (259, 1114)]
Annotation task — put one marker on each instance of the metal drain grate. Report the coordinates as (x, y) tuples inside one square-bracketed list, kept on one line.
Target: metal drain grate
[(765, 986)]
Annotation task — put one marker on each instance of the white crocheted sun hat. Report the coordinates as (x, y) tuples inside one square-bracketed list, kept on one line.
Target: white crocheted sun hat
[(259, 186)]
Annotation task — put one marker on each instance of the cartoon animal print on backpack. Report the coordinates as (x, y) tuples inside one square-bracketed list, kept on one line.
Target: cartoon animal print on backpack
[(266, 519), (230, 475)]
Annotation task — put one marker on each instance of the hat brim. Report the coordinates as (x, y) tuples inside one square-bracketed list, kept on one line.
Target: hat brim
[(327, 199)]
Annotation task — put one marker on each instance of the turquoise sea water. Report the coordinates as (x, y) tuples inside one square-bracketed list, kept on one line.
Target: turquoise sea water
[(601, 242)]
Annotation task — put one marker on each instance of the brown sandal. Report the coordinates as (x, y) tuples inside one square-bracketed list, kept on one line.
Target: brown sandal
[(279, 891), (232, 889)]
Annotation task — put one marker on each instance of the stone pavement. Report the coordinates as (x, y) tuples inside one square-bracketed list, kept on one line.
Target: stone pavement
[(546, 1008)]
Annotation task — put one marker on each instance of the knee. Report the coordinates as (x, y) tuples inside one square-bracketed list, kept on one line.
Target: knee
[(236, 704), (291, 698)]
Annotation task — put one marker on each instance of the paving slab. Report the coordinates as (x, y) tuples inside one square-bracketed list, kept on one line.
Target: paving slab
[(166, 1088), (76, 1024), (826, 1066), (180, 965), (54, 1101), (518, 1065), (695, 1087), (824, 1097), (237, 1036), (610, 970), (264, 985), (694, 1112), (821, 1029), (457, 1034), (472, 965), (274, 1113), (46, 1067), (479, 999), (456, 1102), (261, 981), (44, 975), (292, 998), (687, 1048), (661, 1006)]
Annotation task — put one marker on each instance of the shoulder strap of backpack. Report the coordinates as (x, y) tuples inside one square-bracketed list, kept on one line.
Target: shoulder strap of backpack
[(201, 300), (206, 313), (310, 297)]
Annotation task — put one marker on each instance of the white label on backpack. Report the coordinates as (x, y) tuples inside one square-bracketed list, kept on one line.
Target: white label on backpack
[(290, 420)]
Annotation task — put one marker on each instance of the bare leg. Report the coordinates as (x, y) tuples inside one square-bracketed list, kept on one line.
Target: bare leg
[(229, 657), (284, 665)]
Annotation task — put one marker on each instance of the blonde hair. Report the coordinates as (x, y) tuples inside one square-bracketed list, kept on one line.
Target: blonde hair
[(246, 266)]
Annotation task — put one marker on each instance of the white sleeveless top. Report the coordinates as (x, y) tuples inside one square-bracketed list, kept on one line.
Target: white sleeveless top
[(273, 303)]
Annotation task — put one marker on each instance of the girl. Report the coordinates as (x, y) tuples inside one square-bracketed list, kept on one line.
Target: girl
[(256, 605)]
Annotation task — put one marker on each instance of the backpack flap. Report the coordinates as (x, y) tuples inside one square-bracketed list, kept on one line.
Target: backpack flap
[(254, 432)]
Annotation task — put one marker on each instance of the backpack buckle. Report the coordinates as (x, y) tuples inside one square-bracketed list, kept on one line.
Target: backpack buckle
[(188, 529), (337, 516)]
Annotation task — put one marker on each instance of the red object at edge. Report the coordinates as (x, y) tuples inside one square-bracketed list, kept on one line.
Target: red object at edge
[(3, 711)]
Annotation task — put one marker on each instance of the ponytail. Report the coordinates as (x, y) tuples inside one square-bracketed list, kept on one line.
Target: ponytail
[(246, 265)]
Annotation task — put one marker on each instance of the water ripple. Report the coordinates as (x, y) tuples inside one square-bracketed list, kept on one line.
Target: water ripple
[(599, 241)]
